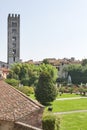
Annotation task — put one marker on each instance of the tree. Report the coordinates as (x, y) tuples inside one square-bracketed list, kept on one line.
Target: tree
[(84, 62), (78, 73), (53, 72), (46, 61), (46, 91), (26, 73)]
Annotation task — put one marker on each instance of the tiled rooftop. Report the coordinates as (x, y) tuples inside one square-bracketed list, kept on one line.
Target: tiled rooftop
[(14, 104)]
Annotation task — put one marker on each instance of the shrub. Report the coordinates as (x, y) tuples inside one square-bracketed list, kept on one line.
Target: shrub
[(46, 91), (51, 122), (12, 82), (26, 90)]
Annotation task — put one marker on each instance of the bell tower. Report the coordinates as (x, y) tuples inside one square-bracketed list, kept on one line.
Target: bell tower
[(13, 38)]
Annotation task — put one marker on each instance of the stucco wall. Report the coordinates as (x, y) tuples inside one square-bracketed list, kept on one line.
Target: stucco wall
[(4, 125), (22, 126)]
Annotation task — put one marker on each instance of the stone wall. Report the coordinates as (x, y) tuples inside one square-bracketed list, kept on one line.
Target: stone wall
[(22, 126)]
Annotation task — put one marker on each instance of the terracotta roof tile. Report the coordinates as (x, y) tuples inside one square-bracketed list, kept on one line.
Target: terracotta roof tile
[(14, 104)]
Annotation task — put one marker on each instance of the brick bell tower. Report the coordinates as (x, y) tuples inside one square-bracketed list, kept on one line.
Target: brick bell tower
[(13, 39)]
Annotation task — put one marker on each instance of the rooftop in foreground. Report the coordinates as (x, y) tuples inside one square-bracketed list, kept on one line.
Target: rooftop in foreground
[(14, 104)]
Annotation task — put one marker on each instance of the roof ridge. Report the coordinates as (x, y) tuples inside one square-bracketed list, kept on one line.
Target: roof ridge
[(37, 103)]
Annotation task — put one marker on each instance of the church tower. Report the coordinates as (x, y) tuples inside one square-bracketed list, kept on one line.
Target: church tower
[(13, 38)]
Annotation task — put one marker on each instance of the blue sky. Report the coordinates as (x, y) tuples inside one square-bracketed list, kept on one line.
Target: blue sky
[(49, 28)]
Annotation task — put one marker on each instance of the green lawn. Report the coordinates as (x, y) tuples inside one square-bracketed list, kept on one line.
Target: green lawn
[(64, 95), (74, 121), (67, 95), (69, 105), (77, 121)]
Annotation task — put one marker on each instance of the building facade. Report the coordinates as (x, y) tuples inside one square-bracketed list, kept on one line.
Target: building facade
[(13, 38)]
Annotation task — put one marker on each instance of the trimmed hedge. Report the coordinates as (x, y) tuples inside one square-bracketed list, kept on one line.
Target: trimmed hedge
[(51, 122)]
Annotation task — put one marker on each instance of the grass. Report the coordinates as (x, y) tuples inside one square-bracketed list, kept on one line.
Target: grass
[(67, 95), (69, 105), (74, 121), (77, 121), (64, 95)]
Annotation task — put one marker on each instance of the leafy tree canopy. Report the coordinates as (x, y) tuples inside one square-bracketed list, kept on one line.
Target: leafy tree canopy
[(46, 90), (78, 73), (28, 74), (84, 62)]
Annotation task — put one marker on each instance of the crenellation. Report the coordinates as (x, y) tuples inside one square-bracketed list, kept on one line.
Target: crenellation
[(9, 15), (18, 15), (13, 15)]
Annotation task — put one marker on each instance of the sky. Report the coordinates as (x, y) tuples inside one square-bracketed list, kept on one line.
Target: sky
[(48, 28)]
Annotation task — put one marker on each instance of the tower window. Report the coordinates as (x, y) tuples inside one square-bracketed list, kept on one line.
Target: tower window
[(13, 39), (14, 24), (14, 51), (14, 30), (14, 45)]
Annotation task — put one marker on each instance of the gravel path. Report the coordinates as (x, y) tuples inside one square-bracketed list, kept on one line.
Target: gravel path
[(69, 112), (70, 98)]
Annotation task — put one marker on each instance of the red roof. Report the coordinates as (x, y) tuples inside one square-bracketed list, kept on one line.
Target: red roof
[(14, 104)]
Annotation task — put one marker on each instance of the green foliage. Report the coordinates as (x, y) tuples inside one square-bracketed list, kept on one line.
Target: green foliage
[(12, 82), (53, 72), (62, 89), (70, 89), (43, 77), (78, 73), (25, 81), (62, 81), (26, 73), (26, 90), (82, 90), (45, 91), (50, 122), (46, 61), (84, 62)]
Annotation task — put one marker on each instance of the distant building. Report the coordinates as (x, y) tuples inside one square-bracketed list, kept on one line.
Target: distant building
[(60, 64), (4, 72), (13, 38), (3, 65)]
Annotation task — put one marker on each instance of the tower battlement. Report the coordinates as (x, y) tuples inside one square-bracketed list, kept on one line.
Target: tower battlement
[(13, 15)]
